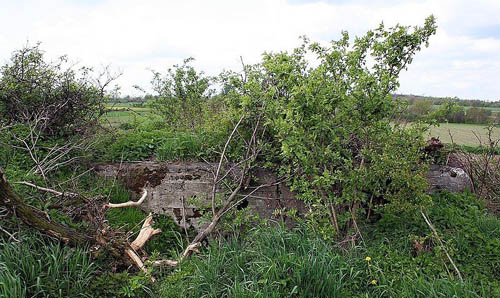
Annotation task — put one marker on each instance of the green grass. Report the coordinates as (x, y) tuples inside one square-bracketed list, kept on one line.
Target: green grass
[(40, 267), (122, 104), (272, 261), (115, 118), (463, 134)]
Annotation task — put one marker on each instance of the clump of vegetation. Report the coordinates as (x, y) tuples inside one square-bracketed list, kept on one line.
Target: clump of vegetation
[(181, 95), (333, 124), (275, 262), (59, 99)]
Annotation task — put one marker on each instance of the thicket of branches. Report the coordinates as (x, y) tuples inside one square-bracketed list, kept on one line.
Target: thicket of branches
[(55, 96)]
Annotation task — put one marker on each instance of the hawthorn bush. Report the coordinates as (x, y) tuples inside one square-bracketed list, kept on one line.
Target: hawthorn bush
[(333, 124)]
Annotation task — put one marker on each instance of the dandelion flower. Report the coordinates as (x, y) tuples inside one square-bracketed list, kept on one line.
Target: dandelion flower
[(374, 282), (368, 259)]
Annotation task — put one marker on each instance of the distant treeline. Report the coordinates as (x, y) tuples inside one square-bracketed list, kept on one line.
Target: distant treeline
[(457, 110), (471, 111), (442, 100)]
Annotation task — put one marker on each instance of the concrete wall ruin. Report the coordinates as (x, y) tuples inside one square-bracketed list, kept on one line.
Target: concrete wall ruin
[(171, 184)]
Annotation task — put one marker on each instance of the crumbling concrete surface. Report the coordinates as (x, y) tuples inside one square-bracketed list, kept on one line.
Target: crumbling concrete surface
[(448, 178), (171, 184)]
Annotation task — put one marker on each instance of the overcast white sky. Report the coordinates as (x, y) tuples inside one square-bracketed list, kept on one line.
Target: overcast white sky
[(133, 36)]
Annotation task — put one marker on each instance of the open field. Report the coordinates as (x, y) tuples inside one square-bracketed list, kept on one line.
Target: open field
[(463, 134), (125, 112)]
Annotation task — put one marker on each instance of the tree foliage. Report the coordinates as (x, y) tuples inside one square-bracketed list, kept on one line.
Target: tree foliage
[(58, 98), (181, 94), (334, 123)]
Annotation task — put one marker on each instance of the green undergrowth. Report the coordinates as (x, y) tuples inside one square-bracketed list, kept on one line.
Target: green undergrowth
[(271, 261), (164, 145), (275, 262), (38, 266)]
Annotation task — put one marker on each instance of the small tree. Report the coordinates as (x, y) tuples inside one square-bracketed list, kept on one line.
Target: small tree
[(181, 94), (334, 123), (477, 115), (421, 108), (46, 104)]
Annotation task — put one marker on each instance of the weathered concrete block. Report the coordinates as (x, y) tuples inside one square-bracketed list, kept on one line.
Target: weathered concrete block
[(169, 184), (453, 179)]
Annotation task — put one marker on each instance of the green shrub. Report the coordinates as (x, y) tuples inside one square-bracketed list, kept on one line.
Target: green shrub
[(121, 284), (31, 88), (130, 145), (180, 147)]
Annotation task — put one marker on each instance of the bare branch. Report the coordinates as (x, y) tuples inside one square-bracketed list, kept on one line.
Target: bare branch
[(129, 203), (57, 193), (427, 220), (216, 177)]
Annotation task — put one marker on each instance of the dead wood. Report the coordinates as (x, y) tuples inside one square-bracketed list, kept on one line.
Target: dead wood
[(129, 203), (38, 219), (55, 192), (428, 222), (147, 231), (119, 247)]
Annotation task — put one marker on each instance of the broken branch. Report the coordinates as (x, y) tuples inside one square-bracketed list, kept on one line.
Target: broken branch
[(147, 231), (129, 203), (57, 193)]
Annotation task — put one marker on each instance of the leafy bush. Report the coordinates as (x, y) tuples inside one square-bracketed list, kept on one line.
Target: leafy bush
[(121, 284), (180, 147), (58, 99), (164, 145), (332, 124), (130, 146), (181, 95)]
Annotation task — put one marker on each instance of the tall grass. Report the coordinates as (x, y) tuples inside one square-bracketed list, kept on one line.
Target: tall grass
[(275, 262), (40, 267), (271, 261)]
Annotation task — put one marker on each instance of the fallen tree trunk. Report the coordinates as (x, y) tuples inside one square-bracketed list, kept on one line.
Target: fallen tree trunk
[(118, 247), (39, 219)]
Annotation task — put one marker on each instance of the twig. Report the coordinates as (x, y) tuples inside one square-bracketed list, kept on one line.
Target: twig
[(216, 177), (184, 220), (427, 220), (10, 235), (57, 193)]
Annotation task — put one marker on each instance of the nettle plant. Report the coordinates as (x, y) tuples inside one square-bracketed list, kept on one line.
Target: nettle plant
[(336, 124)]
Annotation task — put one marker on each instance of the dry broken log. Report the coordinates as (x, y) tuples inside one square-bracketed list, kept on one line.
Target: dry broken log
[(38, 219), (147, 231)]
